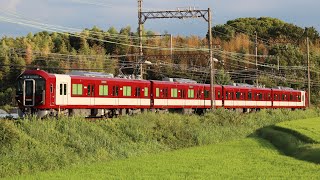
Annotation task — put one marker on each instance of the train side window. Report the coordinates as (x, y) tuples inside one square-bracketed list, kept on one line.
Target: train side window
[(76, 89), (126, 91), (174, 93), (157, 92), (269, 97), (283, 97), (299, 98), (227, 94), (115, 91), (146, 92), (103, 90), (138, 92), (219, 94), (190, 93), (291, 97), (61, 89), (64, 89), (206, 94), (89, 90), (249, 95)]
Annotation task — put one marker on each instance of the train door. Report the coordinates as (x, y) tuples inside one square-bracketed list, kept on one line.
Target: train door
[(91, 89), (29, 89), (52, 94), (62, 98), (115, 93)]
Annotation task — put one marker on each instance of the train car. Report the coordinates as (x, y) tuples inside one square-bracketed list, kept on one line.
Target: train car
[(42, 93), (289, 98), (188, 96), (247, 98)]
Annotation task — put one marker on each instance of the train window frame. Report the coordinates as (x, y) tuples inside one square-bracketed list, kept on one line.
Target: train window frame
[(77, 89), (103, 90)]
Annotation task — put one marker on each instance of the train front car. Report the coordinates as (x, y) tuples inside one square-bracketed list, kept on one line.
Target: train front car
[(32, 86)]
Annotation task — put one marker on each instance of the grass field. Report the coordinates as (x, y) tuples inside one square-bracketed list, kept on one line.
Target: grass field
[(30, 146), (246, 158), (307, 127)]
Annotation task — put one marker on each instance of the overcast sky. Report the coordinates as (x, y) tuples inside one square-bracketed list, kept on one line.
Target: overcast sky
[(120, 13)]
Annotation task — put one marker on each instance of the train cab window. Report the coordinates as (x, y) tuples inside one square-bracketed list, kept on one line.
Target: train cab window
[(157, 92), (146, 92), (190, 93), (165, 92), (249, 95), (76, 89), (126, 91), (219, 95), (138, 92), (103, 90), (115, 91), (206, 94)]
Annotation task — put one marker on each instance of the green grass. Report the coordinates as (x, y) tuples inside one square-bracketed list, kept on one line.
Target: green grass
[(299, 139), (307, 127), (249, 158), (31, 145)]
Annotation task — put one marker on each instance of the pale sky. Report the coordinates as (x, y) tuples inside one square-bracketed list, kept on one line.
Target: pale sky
[(82, 14)]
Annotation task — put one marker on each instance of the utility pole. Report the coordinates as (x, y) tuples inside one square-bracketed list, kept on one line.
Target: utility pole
[(309, 85), (212, 73), (256, 55), (140, 37)]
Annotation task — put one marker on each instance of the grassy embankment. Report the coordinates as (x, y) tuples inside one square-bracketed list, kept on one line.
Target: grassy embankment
[(299, 139), (33, 145)]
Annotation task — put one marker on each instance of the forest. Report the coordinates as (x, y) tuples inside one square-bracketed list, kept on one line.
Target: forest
[(281, 60)]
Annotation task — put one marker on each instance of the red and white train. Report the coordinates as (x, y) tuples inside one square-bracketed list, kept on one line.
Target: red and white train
[(43, 94)]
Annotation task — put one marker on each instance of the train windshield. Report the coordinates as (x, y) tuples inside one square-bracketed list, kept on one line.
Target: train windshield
[(40, 84)]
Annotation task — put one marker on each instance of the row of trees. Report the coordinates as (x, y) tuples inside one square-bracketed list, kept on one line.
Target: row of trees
[(281, 47)]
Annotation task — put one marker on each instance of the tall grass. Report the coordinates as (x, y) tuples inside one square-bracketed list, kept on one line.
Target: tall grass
[(32, 145)]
